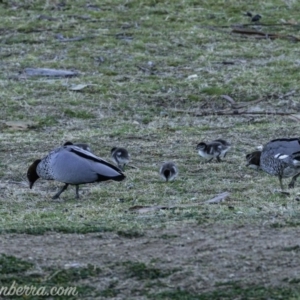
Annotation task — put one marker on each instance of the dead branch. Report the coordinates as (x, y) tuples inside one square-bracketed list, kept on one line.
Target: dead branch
[(260, 34), (229, 99), (231, 113), (219, 198)]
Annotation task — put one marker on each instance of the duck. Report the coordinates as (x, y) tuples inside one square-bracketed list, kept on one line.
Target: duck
[(120, 156), (80, 145), (215, 149), (72, 165), (281, 158), (168, 171), (253, 160)]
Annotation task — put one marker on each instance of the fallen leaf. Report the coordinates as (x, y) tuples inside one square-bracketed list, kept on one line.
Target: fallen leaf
[(145, 209), (20, 125), (194, 76), (78, 87)]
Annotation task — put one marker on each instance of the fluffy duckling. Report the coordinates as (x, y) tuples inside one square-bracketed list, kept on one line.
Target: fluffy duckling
[(253, 160), (168, 171), (80, 145), (281, 157), (120, 156), (72, 165), (215, 149)]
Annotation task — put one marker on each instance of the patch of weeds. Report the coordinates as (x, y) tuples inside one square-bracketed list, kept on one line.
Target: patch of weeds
[(142, 271), (292, 248), (14, 271), (168, 236), (291, 281), (80, 114), (214, 90), (40, 230), (10, 264), (130, 233), (73, 274), (46, 121), (110, 291), (285, 224)]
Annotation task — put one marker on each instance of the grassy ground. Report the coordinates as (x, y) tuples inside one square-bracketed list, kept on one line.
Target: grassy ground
[(156, 72)]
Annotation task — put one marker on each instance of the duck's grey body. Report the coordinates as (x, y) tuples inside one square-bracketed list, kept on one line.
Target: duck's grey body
[(216, 149), (281, 157), (73, 165), (225, 148), (120, 156), (168, 171), (80, 145)]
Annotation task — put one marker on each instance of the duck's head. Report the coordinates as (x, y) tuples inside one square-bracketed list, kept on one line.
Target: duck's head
[(167, 174), (253, 159), (32, 175), (201, 146), (68, 143)]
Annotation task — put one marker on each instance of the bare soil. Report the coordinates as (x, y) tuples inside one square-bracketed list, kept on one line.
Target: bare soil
[(201, 257)]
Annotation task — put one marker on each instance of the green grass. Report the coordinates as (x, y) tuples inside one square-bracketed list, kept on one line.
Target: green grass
[(152, 68)]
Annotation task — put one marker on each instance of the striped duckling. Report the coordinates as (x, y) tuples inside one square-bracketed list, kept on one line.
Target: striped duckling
[(80, 145), (215, 149), (120, 156), (72, 165), (281, 157), (253, 160), (168, 171)]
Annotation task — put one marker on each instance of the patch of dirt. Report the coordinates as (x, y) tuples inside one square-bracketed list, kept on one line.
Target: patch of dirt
[(199, 256)]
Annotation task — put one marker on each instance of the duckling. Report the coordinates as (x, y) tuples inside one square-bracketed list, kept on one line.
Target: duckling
[(72, 165), (168, 171), (215, 149), (226, 147), (253, 160), (80, 145), (281, 157), (120, 156)]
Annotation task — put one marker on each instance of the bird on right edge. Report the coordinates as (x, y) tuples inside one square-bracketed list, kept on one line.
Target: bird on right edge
[(281, 158), (168, 171)]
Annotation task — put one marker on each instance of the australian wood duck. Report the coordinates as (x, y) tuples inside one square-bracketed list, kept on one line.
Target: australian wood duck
[(281, 157), (168, 171), (72, 165), (120, 157), (215, 149)]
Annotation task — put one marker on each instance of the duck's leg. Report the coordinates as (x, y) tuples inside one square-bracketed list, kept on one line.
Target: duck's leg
[(280, 181), (218, 158), (209, 160), (292, 183), (56, 196), (77, 190)]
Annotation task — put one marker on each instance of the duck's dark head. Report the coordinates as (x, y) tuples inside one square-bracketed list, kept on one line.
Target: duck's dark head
[(167, 174), (32, 175), (253, 158), (68, 143), (201, 146)]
